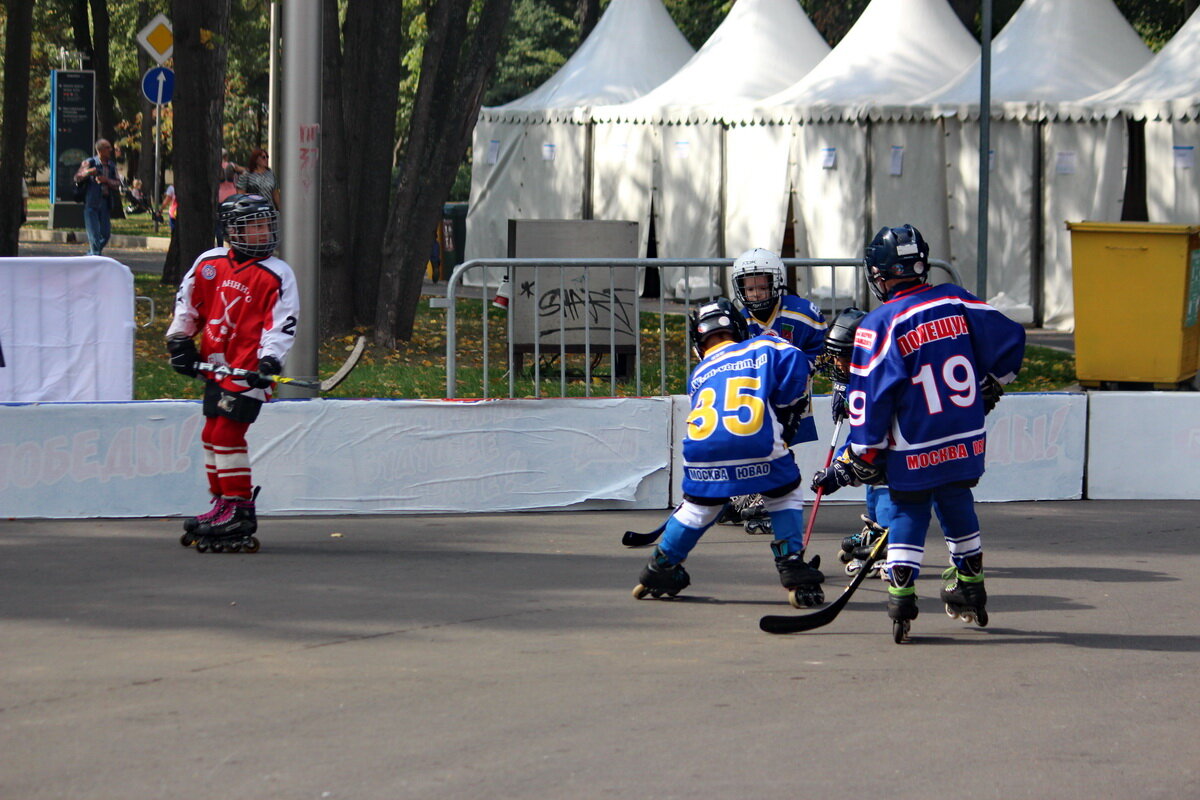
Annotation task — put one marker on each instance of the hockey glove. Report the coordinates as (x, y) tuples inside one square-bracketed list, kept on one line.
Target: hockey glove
[(791, 417), (850, 469), (184, 355), (991, 391), (837, 402), (268, 367)]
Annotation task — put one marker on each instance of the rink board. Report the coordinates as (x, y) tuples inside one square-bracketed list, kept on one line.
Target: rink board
[(80, 460)]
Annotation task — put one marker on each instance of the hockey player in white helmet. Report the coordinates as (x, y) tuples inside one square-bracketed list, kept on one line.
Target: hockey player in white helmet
[(760, 286)]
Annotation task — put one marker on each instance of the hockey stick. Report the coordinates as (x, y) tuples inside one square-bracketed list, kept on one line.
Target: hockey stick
[(777, 623), (812, 517), (324, 386), (635, 539)]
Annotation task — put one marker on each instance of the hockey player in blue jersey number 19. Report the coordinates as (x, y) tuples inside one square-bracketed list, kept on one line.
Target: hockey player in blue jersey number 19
[(749, 396), (760, 287), (927, 366)]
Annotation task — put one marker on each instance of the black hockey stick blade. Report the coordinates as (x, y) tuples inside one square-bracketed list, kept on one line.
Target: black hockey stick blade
[(779, 623), (635, 539), (336, 378)]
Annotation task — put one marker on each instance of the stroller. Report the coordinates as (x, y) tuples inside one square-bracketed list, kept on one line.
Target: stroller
[(137, 203)]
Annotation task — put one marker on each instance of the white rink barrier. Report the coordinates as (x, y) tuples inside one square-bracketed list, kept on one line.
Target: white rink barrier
[(74, 460), (1144, 445), (81, 460), (1036, 448)]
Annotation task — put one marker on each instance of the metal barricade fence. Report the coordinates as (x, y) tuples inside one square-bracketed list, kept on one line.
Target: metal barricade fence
[(550, 296)]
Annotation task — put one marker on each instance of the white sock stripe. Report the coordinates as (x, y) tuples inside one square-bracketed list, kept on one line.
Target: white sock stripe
[(233, 461), (965, 547), (972, 535), (228, 450)]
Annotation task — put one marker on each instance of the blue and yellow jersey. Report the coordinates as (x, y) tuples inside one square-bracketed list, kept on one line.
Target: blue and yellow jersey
[(734, 440), (795, 320)]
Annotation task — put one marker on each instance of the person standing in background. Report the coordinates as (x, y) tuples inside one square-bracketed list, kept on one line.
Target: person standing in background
[(258, 177), (100, 174)]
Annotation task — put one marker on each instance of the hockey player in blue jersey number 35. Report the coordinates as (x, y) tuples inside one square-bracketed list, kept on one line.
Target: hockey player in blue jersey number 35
[(926, 367), (750, 397)]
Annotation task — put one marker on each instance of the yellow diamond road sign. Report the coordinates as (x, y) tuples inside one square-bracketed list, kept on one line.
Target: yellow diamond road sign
[(157, 39)]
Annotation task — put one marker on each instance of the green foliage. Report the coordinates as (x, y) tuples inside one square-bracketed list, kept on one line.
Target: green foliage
[(540, 37)]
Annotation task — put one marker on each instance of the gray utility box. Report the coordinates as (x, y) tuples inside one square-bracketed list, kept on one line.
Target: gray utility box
[(572, 309)]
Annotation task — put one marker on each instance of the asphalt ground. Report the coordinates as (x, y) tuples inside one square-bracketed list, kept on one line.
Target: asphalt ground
[(503, 656)]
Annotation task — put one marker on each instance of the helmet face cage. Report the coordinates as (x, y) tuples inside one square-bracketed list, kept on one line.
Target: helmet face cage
[(839, 344), (242, 212), (759, 262), (896, 253), (719, 315)]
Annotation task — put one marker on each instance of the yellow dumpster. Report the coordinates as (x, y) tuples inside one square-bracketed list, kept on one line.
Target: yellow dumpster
[(1137, 302)]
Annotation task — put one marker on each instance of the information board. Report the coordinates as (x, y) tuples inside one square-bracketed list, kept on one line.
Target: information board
[(72, 128)]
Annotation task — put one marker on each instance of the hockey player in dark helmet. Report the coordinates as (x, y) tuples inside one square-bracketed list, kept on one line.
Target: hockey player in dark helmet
[(920, 378), (747, 395), (896, 256), (251, 225), (834, 363)]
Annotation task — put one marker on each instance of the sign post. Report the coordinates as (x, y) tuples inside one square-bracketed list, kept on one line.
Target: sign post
[(72, 136), (158, 84)]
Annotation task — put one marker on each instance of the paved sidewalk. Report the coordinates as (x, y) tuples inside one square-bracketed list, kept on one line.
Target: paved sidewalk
[(502, 656)]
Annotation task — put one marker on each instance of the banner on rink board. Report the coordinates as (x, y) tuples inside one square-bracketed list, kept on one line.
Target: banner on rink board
[(80, 460), (1155, 455), (1035, 449)]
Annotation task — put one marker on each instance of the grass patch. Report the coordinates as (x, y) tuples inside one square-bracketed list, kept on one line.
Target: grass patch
[(417, 368)]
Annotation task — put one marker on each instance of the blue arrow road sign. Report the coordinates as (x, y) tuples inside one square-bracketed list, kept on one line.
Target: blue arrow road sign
[(158, 84)]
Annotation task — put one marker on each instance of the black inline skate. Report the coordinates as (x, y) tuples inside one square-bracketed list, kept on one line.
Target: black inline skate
[(755, 517), (902, 602), (660, 577), (963, 591), (801, 578), (192, 523), (857, 547), (231, 531)]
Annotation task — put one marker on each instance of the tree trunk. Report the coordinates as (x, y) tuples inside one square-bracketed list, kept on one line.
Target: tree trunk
[(454, 71), (587, 14), (17, 51), (106, 107), (201, 29), (356, 173)]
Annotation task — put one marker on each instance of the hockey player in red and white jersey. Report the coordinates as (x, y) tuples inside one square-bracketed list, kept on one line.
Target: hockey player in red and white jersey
[(243, 304)]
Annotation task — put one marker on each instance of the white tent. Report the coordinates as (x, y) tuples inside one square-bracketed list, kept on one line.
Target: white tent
[(1050, 51), (666, 146), (1165, 93), (530, 156), (850, 167)]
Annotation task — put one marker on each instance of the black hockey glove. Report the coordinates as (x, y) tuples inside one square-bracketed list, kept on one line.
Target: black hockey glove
[(184, 355), (849, 469), (790, 418), (837, 402), (991, 391), (267, 366)]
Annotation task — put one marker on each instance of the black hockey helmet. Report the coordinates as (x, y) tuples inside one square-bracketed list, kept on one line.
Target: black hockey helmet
[(839, 344), (896, 253), (719, 315), (238, 213)]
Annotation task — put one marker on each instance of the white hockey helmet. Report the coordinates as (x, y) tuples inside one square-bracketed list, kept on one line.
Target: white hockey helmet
[(759, 262)]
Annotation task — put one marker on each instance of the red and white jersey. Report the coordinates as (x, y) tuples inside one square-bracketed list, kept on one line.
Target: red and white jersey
[(244, 311)]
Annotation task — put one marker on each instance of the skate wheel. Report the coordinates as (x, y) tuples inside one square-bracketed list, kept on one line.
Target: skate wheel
[(845, 557), (639, 592), (217, 547), (900, 628), (982, 618), (252, 544), (853, 567), (236, 547), (186, 540), (799, 599), (201, 547), (951, 613)]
